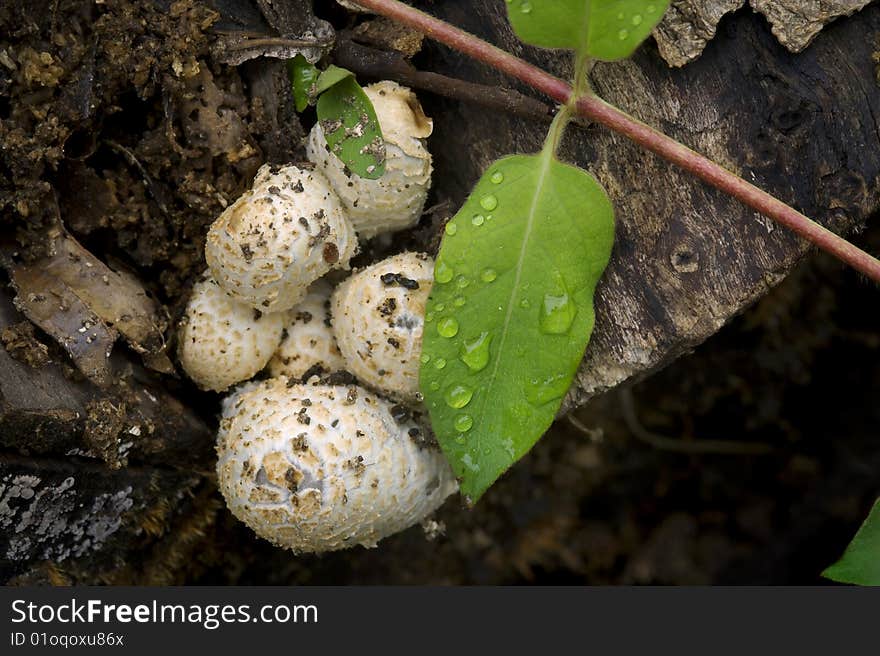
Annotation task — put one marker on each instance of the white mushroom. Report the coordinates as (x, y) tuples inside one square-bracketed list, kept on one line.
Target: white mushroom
[(394, 201), (308, 337), (278, 238), (318, 468), (221, 341), (378, 317)]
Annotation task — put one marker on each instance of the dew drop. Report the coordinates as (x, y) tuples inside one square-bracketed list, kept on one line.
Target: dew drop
[(451, 229), (507, 445), (425, 358), (524, 304), (447, 327), (458, 396), (458, 301), (489, 202), (488, 275), (526, 7), (557, 314), (429, 317), (543, 390), (469, 462), (478, 219), (621, 15), (439, 363), (443, 273), (462, 282), (497, 177), (459, 439), (439, 307), (463, 423), (475, 353), (622, 34), (636, 20), (434, 385), (650, 9)]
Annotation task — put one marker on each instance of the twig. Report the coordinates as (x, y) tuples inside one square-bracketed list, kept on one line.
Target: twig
[(725, 447), (598, 110), (387, 65)]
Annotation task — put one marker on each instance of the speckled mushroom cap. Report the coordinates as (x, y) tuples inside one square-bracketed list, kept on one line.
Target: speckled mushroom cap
[(308, 337), (394, 201), (278, 238), (378, 317), (221, 341), (318, 468)]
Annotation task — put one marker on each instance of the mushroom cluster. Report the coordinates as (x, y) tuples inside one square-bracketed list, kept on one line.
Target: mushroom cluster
[(307, 463)]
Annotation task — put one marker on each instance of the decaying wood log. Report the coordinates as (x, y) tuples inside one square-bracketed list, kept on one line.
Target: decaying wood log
[(686, 257), (65, 489)]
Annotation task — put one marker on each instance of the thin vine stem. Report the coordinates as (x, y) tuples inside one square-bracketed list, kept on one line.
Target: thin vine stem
[(594, 108), (557, 130)]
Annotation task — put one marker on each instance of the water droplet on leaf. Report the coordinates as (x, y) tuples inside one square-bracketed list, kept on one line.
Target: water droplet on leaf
[(526, 7), (458, 301), (451, 229), (425, 358), (475, 353), (434, 385), (497, 177), (462, 282), (489, 202), (488, 275), (543, 390), (478, 219), (447, 327), (557, 314), (463, 423), (439, 363), (637, 20), (458, 396), (469, 462), (622, 34), (443, 273)]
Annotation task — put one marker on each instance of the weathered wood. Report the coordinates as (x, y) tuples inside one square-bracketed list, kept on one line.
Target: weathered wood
[(64, 492), (687, 258)]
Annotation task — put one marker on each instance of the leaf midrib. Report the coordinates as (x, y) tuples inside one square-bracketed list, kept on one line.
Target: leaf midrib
[(546, 162)]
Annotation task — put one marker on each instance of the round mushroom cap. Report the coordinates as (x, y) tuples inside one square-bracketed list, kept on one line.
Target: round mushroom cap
[(318, 468), (394, 201), (278, 238), (308, 340), (221, 341), (378, 318)]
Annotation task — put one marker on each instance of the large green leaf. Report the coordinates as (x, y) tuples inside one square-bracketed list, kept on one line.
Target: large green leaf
[(511, 310), (349, 122), (603, 29), (860, 563)]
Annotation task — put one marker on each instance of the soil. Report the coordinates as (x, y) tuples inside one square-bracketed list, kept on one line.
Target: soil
[(116, 116)]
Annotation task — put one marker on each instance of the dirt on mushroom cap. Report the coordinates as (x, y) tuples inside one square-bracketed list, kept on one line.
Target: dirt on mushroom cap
[(319, 468)]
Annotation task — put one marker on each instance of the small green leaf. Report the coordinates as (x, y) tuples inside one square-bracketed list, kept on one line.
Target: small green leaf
[(511, 310), (330, 77), (603, 29), (350, 126), (860, 563), (303, 77)]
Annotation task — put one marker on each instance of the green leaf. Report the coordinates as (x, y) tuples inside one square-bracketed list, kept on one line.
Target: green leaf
[(860, 563), (602, 29), (303, 77), (330, 77), (350, 126), (511, 310)]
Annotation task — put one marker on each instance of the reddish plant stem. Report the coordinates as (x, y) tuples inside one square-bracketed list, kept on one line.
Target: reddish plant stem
[(598, 110)]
